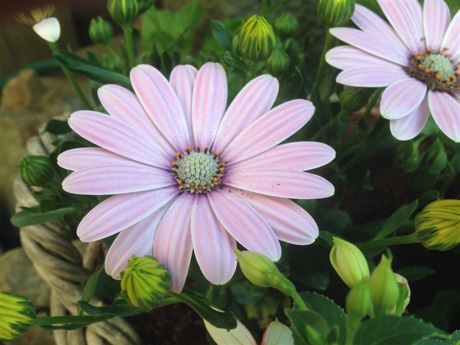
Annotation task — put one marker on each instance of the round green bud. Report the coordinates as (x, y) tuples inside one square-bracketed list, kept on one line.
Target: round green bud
[(286, 25), (384, 288), (278, 62), (349, 262), (100, 30), (17, 314), (36, 170), (256, 39), (123, 11), (358, 302), (437, 225), (333, 13), (145, 281), (353, 98)]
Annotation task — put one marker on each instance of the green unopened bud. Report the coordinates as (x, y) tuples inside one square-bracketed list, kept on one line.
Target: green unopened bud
[(145, 281), (36, 170), (353, 98), (349, 262), (17, 314), (100, 31), (278, 62), (404, 296), (286, 25), (358, 302), (256, 39), (437, 227), (384, 288), (123, 11), (333, 13)]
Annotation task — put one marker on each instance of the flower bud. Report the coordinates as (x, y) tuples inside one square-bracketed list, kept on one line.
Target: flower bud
[(100, 30), (437, 227), (286, 25), (17, 314), (404, 296), (358, 302), (123, 11), (36, 170), (384, 288), (277, 333), (353, 98), (278, 62), (41, 20), (256, 39), (349, 262), (333, 13), (145, 281)]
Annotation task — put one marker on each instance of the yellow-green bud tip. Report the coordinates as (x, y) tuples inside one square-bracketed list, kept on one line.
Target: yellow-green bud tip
[(333, 13), (384, 288), (17, 314), (256, 39)]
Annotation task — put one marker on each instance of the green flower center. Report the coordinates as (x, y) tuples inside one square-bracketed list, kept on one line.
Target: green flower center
[(436, 70), (197, 171)]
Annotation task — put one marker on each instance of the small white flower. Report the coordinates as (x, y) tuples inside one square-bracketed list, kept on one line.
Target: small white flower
[(43, 23)]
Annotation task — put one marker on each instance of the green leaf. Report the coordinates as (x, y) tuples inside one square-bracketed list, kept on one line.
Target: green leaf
[(391, 330), (32, 215), (219, 31), (416, 273), (309, 327), (397, 219), (57, 127), (442, 309), (90, 285), (120, 307), (245, 292)]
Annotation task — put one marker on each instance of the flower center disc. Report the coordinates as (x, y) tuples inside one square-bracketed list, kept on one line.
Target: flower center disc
[(436, 71), (197, 171)]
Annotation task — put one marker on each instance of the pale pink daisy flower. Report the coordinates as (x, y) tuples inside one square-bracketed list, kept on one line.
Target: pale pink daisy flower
[(416, 57), (186, 175)]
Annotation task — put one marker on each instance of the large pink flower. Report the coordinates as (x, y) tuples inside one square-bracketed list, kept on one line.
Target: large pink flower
[(186, 175), (416, 58)]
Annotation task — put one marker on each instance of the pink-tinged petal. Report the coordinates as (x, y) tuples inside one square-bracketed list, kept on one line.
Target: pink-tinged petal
[(402, 97), (411, 125), (445, 110), (135, 240), (182, 79), (290, 222), (124, 105), (117, 179), (406, 18), (172, 246), (121, 211), (375, 26), (298, 156), (208, 103), (346, 57), (244, 223), (161, 103), (237, 336), (370, 77), (370, 44), (118, 137), (436, 18), (277, 334), (451, 42), (254, 100), (280, 183), (77, 159), (269, 130), (212, 244)]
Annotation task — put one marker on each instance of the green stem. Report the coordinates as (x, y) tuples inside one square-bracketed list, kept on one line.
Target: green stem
[(328, 44), (389, 241), (351, 331), (71, 78), (128, 33), (69, 320), (299, 301)]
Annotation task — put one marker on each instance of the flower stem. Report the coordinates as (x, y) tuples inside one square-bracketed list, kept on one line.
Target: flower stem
[(128, 33), (389, 241)]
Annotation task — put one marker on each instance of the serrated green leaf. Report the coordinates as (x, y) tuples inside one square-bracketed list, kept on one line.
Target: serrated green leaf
[(308, 327), (397, 219), (31, 216)]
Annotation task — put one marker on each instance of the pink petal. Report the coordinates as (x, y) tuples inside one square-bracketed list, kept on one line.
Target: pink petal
[(445, 110), (280, 183), (135, 240), (254, 100), (118, 137), (244, 223), (124, 105), (182, 79), (402, 97), (406, 18), (409, 126), (77, 159), (237, 336), (160, 101), (116, 179), (370, 44), (436, 18), (269, 130), (172, 245), (370, 77), (208, 103), (290, 222), (122, 211), (213, 246), (451, 42), (375, 26), (298, 156)]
